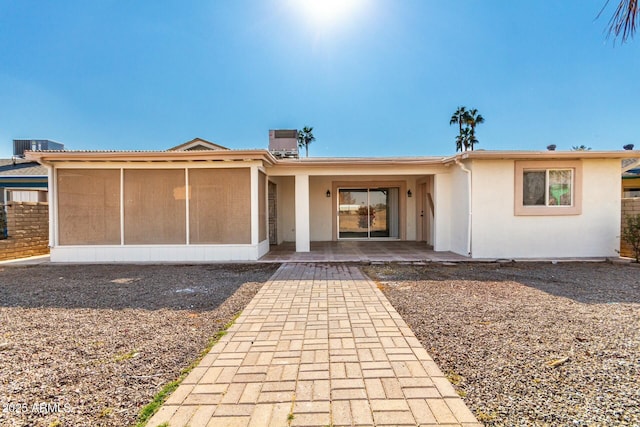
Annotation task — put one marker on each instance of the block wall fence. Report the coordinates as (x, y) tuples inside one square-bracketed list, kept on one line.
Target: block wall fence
[(630, 207), (28, 230)]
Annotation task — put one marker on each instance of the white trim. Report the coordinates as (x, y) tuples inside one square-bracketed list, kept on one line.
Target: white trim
[(263, 248), (442, 201), (255, 199), (303, 236), (160, 165), (354, 170), (186, 204), (158, 253), (53, 206), (469, 203), (121, 207)]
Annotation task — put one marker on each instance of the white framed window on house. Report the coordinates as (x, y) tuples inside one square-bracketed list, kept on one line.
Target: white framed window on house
[(548, 188)]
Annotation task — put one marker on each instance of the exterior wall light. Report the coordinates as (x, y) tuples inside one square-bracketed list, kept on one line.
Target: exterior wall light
[(409, 193), (328, 193)]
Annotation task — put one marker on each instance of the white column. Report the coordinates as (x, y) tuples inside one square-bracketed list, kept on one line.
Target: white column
[(121, 206), (255, 217), (442, 215), (303, 240), (52, 188), (186, 205)]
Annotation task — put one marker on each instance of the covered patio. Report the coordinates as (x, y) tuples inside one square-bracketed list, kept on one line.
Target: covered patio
[(360, 251)]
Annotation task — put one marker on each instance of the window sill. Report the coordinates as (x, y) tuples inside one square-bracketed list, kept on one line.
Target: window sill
[(547, 210)]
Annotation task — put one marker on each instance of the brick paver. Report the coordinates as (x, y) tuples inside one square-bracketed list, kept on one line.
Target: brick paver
[(319, 345)]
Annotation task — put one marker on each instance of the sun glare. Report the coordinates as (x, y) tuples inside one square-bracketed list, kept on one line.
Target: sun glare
[(328, 12)]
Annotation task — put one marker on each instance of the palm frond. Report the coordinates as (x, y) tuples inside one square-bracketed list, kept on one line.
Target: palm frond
[(623, 23)]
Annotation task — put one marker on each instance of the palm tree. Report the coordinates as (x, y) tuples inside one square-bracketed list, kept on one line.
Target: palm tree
[(623, 20), (467, 120), (464, 140), (580, 148), (473, 119), (472, 140), (460, 142), (305, 137), (459, 117)]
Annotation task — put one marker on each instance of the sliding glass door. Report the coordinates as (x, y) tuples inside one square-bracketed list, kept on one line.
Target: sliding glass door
[(365, 213)]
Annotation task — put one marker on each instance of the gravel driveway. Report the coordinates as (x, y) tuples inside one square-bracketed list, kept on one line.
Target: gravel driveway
[(529, 344), (90, 345)]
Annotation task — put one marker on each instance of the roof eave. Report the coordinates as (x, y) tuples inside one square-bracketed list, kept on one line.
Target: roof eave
[(543, 155), (47, 157), (360, 161)]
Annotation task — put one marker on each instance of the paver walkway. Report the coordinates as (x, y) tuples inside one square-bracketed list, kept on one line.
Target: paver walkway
[(319, 345)]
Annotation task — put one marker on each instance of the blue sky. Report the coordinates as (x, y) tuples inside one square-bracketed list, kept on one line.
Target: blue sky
[(379, 79)]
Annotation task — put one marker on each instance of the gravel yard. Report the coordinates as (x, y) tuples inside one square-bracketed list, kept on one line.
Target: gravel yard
[(529, 344), (89, 345)]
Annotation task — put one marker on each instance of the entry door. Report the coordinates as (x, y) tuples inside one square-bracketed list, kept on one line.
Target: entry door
[(367, 213)]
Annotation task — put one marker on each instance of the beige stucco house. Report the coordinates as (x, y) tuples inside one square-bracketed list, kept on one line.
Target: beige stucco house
[(203, 202)]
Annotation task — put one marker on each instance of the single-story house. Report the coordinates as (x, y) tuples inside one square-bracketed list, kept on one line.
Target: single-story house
[(201, 201)]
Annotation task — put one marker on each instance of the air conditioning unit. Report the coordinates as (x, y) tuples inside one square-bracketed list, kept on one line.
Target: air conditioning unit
[(22, 145), (283, 143)]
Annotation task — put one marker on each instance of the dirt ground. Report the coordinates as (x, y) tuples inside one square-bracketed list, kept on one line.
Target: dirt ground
[(524, 344), (89, 345), (529, 344)]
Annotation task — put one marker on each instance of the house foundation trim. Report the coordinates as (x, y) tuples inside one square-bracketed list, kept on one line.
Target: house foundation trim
[(158, 253)]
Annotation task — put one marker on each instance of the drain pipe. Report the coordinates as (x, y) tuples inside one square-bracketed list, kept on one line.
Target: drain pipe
[(468, 172)]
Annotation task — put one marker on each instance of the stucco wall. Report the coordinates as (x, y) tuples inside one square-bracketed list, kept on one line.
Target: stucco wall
[(322, 210), (286, 208), (28, 230), (498, 233)]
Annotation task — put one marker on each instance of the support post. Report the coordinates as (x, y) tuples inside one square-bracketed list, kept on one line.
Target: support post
[(303, 239)]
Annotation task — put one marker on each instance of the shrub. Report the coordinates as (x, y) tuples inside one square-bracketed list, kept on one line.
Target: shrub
[(366, 215), (3, 222), (631, 233)]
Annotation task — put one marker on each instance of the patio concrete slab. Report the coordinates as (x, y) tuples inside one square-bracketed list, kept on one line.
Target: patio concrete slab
[(361, 251), (319, 345)]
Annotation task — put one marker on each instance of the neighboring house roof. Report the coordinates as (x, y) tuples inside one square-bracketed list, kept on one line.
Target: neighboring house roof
[(21, 167), (197, 144), (631, 173), (630, 163)]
